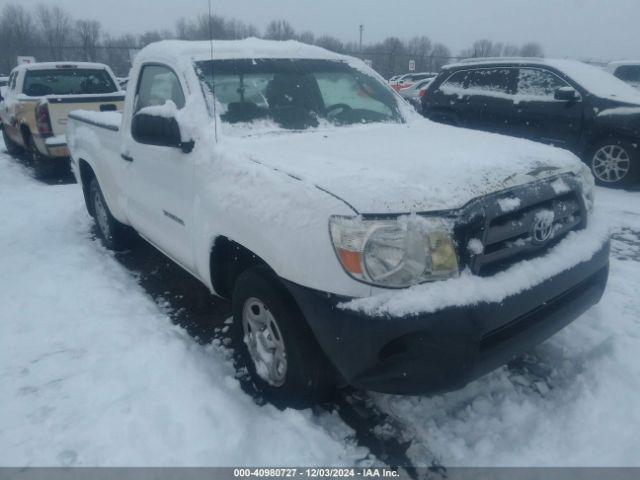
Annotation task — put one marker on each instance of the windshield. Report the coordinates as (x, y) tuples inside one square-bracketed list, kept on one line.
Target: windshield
[(297, 94), (629, 74), (70, 81)]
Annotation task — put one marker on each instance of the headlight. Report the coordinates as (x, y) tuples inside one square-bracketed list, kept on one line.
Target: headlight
[(394, 253), (588, 186)]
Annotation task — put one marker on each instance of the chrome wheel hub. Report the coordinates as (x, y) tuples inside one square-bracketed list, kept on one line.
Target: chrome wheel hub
[(611, 163), (264, 341)]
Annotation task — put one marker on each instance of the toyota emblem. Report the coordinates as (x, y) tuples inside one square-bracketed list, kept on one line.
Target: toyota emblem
[(542, 228)]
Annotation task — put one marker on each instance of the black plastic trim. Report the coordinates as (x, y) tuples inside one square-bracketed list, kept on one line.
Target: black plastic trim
[(113, 128)]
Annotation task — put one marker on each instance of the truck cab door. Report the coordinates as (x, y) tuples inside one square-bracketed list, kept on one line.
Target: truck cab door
[(159, 185)]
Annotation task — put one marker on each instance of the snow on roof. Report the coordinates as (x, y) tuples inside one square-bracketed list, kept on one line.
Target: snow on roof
[(617, 63), (48, 65), (595, 80), (236, 49)]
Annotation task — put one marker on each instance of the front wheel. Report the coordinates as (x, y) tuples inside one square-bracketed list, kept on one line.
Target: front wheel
[(114, 235), (614, 163), (275, 344)]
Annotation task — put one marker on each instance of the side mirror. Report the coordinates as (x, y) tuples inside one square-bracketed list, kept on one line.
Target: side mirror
[(566, 94), (160, 131)]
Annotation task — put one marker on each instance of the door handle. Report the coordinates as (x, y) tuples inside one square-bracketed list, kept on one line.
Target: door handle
[(126, 158)]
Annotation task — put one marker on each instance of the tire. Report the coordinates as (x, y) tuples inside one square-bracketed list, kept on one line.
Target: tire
[(114, 235), (306, 376), (44, 167), (12, 147), (614, 163)]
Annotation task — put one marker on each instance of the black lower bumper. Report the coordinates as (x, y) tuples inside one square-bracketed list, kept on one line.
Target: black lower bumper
[(445, 350)]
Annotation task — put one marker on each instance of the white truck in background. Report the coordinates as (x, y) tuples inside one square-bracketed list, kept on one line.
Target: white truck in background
[(360, 243), (37, 100)]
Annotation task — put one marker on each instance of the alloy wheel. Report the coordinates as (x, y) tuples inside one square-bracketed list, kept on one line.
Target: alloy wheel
[(610, 163)]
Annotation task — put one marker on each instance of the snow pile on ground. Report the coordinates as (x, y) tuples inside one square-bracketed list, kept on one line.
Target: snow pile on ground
[(94, 374), (574, 401)]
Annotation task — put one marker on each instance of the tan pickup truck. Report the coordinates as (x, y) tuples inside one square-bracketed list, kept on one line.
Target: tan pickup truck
[(38, 99)]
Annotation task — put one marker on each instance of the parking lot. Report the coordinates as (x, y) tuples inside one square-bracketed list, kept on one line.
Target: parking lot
[(148, 358)]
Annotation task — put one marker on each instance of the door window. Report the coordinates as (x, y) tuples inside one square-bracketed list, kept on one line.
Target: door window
[(158, 84), (491, 81), (534, 82), (456, 83)]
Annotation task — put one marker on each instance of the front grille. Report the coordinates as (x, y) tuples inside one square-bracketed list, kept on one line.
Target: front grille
[(542, 218)]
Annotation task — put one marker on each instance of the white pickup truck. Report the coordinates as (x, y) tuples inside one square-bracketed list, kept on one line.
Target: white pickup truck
[(360, 243)]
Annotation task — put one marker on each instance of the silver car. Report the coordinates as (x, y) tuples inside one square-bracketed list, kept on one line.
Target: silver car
[(414, 93)]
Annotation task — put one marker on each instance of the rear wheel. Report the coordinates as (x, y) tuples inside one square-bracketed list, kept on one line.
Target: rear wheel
[(12, 147), (44, 166), (614, 163), (275, 344), (114, 235)]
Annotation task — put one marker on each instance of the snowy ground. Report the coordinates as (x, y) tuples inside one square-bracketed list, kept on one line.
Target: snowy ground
[(94, 372)]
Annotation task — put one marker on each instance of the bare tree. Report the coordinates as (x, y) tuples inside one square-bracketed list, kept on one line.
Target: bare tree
[(220, 28), (419, 50), (531, 49), (330, 43), (511, 50), (18, 36), (479, 49), (440, 55), (88, 33), (486, 48), (392, 59), (117, 53), (153, 36), (56, 29), (306, 37), (279, 30)]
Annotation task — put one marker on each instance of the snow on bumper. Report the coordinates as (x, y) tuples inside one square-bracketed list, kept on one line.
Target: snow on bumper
[(438, 337), (469, 289)]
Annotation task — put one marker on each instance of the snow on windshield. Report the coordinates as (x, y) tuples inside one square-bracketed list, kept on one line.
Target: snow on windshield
[(297, 94)]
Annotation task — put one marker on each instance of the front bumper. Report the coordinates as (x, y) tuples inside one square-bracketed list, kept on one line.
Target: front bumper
[(445, 350)]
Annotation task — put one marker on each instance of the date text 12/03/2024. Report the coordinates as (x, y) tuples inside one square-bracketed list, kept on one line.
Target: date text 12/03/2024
[(315, 473)]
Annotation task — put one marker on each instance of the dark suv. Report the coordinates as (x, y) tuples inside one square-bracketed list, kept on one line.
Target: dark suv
[(562, 102)]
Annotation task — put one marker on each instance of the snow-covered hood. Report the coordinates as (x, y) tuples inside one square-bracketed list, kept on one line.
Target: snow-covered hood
[(419, 166)]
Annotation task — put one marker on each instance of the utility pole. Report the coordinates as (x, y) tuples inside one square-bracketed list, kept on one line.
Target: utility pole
[(361, 31)]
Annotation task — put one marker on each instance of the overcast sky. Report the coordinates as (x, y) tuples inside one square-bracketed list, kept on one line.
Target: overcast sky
[(599, 29)]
